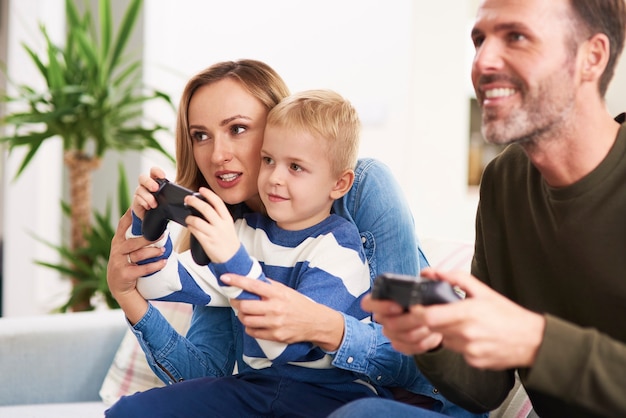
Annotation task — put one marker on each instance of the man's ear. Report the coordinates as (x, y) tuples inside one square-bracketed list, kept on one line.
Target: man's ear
[(343, 184), (595, 56)]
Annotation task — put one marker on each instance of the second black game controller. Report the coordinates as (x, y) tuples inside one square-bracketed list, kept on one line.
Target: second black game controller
[(411, 290), (171, 200)]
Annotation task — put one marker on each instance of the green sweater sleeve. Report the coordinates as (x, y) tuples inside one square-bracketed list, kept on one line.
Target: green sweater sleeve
[(581, 366), (474, 389)]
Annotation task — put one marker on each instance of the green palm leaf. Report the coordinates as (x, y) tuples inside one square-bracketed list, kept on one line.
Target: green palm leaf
[(92, 91), (93, 102)]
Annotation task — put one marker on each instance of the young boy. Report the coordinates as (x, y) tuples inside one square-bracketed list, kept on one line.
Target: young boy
[(309, 152)]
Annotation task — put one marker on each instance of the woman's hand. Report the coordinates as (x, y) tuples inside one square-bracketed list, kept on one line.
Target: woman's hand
[(123, 272), (285, 315), (143, 199)]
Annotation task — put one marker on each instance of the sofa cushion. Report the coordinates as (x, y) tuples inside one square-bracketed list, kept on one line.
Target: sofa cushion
[(129, 372), (55, 410), (446, 254), (57, 357)]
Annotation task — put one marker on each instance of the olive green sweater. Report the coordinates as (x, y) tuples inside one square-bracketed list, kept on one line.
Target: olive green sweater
[(560, 252)]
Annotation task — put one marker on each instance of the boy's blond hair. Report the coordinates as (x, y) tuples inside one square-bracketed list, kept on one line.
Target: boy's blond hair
[(326, 115)]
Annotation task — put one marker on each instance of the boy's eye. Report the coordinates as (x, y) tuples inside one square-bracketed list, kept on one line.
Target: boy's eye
[(295, 167), (267, 160)]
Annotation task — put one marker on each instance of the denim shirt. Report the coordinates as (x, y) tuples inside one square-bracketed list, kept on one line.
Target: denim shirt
[(213, 346)]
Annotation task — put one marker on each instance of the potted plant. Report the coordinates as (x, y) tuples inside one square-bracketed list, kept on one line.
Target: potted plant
[(87, 265), (93, 102)]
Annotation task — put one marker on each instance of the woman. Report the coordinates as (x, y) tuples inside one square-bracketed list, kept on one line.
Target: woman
[(224, 155)]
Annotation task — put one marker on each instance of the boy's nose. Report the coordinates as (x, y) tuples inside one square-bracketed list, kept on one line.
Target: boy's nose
[(277, 176)]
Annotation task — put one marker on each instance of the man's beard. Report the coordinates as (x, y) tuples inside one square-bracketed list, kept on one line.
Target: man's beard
[(540, 116)]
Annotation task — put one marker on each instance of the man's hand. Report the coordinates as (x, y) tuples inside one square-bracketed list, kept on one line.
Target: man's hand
[(489, 330), (407, 332)]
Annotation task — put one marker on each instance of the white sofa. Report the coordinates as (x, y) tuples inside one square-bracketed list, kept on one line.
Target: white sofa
[(54, 366)]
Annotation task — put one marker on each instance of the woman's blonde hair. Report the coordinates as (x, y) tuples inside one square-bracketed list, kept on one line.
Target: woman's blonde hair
[(256, 77)]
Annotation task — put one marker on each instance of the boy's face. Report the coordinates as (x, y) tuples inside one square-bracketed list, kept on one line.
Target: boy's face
[(295, 179)]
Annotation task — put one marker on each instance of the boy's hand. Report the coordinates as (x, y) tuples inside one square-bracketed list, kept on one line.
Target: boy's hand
[(216, 232), (285, 315)]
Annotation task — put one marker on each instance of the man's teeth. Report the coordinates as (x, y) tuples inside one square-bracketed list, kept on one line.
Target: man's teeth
[(496, 93), (228, 177)]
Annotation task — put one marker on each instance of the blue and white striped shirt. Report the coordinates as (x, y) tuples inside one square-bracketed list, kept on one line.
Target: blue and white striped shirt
[(325, 262)]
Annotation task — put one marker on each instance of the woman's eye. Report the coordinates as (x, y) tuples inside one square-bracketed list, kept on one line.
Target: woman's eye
[(238, 129), (199, 136)]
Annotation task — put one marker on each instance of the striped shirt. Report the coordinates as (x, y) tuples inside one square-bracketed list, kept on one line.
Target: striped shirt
[(325, 262)]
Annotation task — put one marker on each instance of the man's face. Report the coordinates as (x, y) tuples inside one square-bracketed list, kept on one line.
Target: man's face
[(523, 69)]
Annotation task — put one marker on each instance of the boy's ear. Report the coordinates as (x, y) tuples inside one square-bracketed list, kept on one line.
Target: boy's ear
[(343, 184)]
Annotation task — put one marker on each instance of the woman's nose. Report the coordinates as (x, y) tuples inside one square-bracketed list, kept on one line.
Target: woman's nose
[(222, 151)]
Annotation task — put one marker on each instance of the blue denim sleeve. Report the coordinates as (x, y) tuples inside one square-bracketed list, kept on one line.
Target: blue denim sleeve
[(370, 355), (360, 348), (208, 350), (377, 206)]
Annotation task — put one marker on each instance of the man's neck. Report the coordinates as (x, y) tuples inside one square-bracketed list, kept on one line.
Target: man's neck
[(575, 151)]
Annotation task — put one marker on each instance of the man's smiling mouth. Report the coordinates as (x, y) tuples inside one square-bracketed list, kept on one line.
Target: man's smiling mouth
[(499, 93)]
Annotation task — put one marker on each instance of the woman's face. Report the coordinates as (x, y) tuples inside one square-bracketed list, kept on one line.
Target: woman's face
[(226, 125)]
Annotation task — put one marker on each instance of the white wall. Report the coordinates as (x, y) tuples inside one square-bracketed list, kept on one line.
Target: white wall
[(31, 204), (403, 63)]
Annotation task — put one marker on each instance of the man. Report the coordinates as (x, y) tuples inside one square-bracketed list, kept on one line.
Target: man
[(548, 293)]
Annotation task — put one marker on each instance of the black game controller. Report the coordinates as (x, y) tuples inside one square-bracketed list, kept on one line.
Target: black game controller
[(411, 290), (171, 199)]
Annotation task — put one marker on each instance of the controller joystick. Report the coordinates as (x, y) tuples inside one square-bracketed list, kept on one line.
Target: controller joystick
[(171, 207), (411, 290)]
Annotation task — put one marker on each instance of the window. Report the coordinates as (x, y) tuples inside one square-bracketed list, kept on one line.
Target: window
[(480, 152)]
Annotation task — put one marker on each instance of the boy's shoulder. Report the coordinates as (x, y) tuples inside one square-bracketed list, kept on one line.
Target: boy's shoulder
[(255, 220)]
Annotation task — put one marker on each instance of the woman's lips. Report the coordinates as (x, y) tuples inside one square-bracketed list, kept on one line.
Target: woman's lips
[(227, 180)]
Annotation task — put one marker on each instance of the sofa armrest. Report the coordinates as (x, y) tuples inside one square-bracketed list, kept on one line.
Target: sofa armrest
[(58, 357)]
